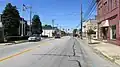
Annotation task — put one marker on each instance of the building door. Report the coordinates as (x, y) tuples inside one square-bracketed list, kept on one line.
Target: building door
[(105, 32)]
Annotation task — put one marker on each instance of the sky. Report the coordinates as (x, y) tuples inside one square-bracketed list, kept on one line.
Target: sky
[(66, 13)]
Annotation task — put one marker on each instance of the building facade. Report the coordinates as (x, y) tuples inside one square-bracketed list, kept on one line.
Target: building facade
[(22, 28), (109, 20), (84, 29), (48, 32)]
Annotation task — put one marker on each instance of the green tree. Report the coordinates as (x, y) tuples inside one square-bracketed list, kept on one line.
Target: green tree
[(74, 32), (11, 20), (36, 25), (47, 27)]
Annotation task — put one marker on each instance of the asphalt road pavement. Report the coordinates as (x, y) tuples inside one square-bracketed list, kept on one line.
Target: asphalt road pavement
[(64, 52)]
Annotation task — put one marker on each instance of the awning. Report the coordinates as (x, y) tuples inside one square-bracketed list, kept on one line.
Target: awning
[(104, 23)]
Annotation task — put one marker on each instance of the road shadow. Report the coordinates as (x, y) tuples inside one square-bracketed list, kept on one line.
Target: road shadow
[(57, 55)]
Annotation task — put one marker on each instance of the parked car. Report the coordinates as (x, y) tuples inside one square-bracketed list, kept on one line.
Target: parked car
[(34, 37)]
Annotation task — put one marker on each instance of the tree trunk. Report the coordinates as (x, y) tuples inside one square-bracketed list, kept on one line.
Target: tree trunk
[(89, 39)]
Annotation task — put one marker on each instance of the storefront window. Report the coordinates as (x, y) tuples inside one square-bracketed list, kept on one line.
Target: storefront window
[(113, 31)]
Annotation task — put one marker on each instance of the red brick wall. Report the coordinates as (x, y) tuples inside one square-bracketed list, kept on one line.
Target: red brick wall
[(105, 9)]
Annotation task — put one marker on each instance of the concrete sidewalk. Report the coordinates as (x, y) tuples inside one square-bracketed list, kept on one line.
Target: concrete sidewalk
[(110, 51)]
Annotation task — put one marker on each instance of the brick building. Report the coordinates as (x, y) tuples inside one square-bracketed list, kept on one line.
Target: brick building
[(109, 20)]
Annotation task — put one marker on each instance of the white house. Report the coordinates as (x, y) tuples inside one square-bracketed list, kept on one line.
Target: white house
[(48, 32)]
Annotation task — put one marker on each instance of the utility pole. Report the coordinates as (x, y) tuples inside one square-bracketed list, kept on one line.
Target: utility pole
[(81, 19), (53, 24), (57, 25), (60, 27), (22, 27), (53, 30), (24, 8), (30, 19), (22, 21)]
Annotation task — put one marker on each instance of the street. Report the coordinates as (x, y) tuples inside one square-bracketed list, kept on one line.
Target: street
[(64, 52)]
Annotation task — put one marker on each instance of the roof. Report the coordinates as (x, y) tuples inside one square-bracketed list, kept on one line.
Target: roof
[(22, 19), (104, 24)]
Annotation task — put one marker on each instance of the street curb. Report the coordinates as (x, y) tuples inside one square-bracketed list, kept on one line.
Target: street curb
[(9, 44), (104, 54), (13, 43), (110, 58), (117, 62), (17, 42)]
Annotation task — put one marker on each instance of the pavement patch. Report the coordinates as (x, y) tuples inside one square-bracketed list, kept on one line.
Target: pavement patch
[(79, 64)]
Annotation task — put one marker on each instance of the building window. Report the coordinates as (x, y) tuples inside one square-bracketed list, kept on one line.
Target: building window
[(113, 32), (105, 7), (114, 4)]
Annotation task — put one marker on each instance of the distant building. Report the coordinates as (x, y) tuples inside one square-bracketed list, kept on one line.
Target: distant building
[(90, 24), (48, 31)]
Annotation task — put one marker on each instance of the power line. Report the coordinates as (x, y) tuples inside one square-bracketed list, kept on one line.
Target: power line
[(72, 14), (91, 12), (90, 9)]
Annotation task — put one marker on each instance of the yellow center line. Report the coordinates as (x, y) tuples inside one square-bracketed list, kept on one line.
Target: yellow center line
[(6, 58), (17, 54)]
